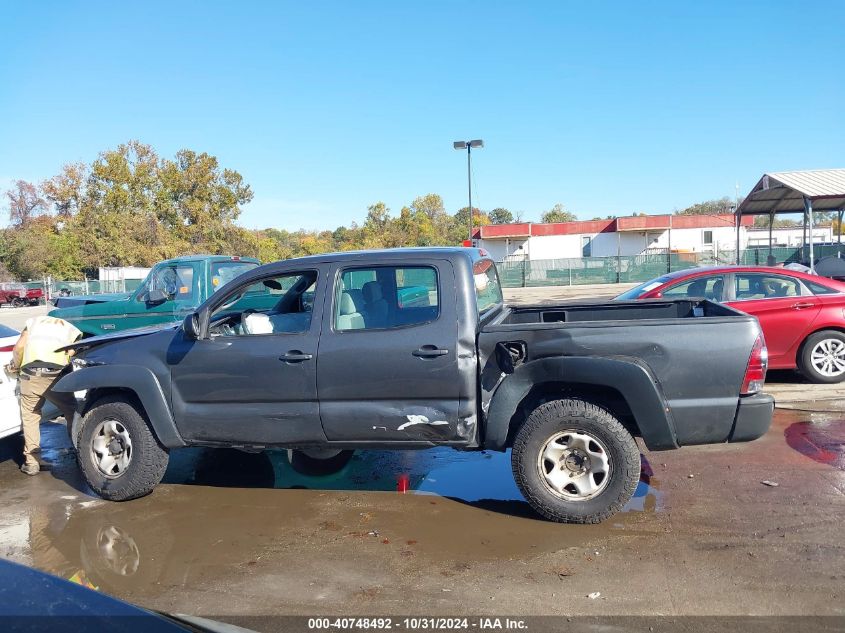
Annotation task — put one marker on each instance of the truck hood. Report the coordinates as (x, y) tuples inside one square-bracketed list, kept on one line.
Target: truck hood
[(84, 300), (93, 341)]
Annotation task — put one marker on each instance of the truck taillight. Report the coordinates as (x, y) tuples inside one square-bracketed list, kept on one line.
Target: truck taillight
[(755, 373)]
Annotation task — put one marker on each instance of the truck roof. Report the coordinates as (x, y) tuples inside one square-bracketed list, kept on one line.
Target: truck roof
[(216, 258), (411, 253)]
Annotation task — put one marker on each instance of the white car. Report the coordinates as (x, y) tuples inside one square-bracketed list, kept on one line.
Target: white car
[(10, 413)]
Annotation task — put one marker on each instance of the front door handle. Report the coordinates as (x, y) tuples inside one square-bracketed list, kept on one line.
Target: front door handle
[(801, 306), (295, 356), (430, 351)]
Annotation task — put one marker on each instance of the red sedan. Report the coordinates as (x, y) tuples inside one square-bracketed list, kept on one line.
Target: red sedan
[(802, 315)]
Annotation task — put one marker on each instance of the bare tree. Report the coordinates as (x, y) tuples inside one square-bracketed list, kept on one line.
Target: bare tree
[(25, 203)]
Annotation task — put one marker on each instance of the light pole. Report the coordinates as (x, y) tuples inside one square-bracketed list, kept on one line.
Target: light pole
[(468, 145)]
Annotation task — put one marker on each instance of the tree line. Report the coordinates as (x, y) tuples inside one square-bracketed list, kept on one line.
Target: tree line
[(132, 207)]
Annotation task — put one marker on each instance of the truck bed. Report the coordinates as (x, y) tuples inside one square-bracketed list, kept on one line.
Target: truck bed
[(614, 311), (695, 351)]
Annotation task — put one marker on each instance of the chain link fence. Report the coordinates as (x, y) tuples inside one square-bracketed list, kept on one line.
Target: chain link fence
[(570, 271), (575, 271), (53, 287)]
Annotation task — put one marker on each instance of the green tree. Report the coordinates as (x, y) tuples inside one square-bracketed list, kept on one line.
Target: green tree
[(66, 190), (460, 224), (558, 214), (431, 204), (762, 222), (205, 200), (376, 232), (500, 216), (709, 207)]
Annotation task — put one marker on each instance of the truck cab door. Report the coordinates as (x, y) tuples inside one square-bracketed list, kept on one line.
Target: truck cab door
[(252, 379), (390, 369)]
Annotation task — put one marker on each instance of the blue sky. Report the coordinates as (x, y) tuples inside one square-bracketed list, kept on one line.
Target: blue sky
[(327, 107)]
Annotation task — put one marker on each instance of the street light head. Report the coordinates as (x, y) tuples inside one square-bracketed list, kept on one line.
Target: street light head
[(459, 144), (476, 143)]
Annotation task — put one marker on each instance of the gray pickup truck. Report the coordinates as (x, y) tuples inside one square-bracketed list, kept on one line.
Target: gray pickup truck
[(414, 348)]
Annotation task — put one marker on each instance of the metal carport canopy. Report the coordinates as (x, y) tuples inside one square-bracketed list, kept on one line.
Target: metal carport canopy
[(795, 192)]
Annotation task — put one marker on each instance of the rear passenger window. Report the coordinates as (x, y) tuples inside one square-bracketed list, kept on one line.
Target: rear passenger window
[(758, 286), (386, 297)]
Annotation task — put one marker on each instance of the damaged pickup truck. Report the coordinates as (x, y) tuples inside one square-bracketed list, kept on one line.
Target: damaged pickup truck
[(414, 348)]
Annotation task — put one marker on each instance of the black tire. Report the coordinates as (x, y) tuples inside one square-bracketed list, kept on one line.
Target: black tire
[(148, 459), (557, 418), (319, 462), (813, 343), (17, 302)]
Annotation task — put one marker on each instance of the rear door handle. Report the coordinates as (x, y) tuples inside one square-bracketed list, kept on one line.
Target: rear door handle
[(801, 306), (295, 356), (430, 351)]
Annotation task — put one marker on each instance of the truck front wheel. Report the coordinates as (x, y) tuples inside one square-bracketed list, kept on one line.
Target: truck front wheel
[(574, 462), (119, 456)]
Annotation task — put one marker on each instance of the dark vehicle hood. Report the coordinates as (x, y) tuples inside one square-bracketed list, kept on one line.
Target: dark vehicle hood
[(34, 600), (122, 334)]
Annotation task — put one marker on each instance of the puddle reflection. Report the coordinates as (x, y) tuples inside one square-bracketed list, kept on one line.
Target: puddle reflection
[(821, 440), (470, 477), (181, 536)]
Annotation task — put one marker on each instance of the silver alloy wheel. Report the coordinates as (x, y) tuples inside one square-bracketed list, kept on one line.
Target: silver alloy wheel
[(828, 357), (574, 465), (111, 448)]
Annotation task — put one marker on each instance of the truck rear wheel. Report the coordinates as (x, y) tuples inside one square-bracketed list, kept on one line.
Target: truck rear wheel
[(574, 462), (119, 456)]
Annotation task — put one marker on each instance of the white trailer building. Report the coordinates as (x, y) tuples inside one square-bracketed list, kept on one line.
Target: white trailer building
[(706, 235)]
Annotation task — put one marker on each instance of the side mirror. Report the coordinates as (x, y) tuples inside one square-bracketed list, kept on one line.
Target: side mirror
[(156, 297), (191, 326)]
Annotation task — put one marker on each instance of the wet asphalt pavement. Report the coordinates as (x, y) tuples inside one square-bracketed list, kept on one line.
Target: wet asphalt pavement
[(442, 532)]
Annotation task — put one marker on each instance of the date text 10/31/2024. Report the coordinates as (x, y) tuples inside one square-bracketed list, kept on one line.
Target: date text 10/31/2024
[(417, 623)]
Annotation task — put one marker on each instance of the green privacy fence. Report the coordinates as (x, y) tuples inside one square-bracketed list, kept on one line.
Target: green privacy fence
[(638, 268)]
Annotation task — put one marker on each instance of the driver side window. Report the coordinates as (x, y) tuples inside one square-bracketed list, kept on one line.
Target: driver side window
[(278, 304)]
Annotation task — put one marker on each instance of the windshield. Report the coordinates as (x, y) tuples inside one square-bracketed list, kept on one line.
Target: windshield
[(224, 272), (176, 281), (638, 291)]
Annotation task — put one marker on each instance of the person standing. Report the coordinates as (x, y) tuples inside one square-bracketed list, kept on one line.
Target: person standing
[(39, 366)]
